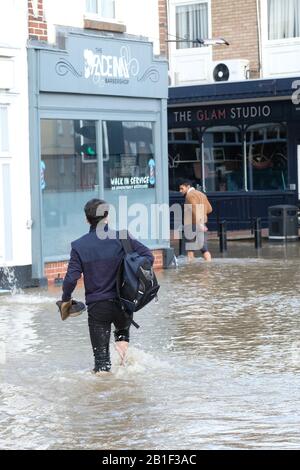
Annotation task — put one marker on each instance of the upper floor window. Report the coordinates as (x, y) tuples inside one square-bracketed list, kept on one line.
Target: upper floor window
[(283, 19), (191, 23), (3, 130), (103, 8)]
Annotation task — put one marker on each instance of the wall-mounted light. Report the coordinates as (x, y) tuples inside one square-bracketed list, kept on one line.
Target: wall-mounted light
[(203, 42)]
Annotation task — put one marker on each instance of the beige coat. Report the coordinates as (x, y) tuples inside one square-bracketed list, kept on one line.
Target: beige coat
[(196, 207)]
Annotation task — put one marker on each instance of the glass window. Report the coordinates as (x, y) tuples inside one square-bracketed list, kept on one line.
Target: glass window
[(191, 24), (223, 159), (103, 8), (68, 178), (283, 19), (129, 167), (3, 129), (128, 155), (184, 156), (267, 157)]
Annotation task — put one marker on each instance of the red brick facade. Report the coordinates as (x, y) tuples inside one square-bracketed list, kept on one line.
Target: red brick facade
[(58, 269), (236, 21), (163, 27), (37, 26)]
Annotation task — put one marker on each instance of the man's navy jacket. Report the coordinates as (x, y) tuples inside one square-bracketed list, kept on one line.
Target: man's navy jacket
[(98, 260)]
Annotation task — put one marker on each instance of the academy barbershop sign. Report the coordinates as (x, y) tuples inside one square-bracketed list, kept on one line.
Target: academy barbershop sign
[(226, 114), (116, 69), (102, 65)]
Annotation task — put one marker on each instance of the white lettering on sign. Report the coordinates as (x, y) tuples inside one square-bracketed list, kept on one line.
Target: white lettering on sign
[(99, 65), (216, 114), (183, 116), (133, 182), (250, 112)]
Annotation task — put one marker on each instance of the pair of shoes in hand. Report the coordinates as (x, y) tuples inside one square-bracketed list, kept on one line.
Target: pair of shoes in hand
[(72, 308)]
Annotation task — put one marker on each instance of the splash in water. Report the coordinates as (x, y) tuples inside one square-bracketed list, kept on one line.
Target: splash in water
[(10, 280)]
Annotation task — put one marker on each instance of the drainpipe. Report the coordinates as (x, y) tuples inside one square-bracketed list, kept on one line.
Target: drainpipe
[(259, 37)]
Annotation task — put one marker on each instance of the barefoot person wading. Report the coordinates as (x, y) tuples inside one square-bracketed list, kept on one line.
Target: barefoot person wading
[(196, 209), (98, 259)]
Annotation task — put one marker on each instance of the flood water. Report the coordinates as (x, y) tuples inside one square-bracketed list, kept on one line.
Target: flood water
[(215, 364)]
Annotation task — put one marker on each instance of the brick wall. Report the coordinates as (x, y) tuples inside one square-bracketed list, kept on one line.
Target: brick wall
[(163, 27), (37, 26), (236, 21), (58, 269)]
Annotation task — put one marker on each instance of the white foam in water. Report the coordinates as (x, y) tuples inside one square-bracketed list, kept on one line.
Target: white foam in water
[(137, 362), (31, 299), (9, 273)]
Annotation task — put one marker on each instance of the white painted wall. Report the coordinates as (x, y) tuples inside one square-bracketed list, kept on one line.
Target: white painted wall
[(13, 37), (280, 58), (189, 66), (139, 16)]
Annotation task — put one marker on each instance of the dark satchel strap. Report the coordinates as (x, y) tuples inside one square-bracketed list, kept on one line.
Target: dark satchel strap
[(125, 241)]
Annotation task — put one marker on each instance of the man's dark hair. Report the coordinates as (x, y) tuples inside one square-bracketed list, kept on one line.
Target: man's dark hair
[(185, 182), (94, 213)]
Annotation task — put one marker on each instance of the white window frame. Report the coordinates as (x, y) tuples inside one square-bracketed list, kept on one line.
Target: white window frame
[(4, 153), (172, 27), (265, 29), (98, 16)]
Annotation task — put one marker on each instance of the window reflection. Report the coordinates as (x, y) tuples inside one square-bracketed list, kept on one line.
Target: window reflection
[(184, 156), (69, 155), (68, 179), (267, 157), (128, 155), (223, 159)]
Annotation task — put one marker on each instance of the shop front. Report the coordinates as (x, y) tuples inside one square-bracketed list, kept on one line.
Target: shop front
[(238, 145), (98, 129)]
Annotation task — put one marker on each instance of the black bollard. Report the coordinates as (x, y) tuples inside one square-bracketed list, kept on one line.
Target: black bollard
[(257, 233), (182, 242), (223, 236)]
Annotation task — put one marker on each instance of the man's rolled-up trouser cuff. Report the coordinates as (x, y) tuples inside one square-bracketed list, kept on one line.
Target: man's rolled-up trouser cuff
[(122, 335)]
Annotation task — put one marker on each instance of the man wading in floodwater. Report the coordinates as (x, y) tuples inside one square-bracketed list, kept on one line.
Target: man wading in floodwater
[(98, 259), (196, 209)]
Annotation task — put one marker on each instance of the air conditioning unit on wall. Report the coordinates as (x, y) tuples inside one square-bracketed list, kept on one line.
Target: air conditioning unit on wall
[(233, 70)]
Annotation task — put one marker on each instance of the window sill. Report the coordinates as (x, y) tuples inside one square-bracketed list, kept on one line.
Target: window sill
[(103, 24), (282, 42)]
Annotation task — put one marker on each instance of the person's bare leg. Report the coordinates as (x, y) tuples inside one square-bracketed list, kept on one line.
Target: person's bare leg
[(121, 348), (207, 256)]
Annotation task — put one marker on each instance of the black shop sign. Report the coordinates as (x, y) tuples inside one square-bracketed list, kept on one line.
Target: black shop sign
[(245, 113)]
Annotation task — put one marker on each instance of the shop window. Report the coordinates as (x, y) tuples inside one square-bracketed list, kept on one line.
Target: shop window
[(129, 171), (3, 130), (267, 157), (128, 155), (283, 19), (184, 156), (68, 179), (223, 159), (102, 8), (191, 24)]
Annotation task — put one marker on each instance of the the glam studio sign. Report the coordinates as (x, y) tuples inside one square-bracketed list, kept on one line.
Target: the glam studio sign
[(234, 113), (114, 69)]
